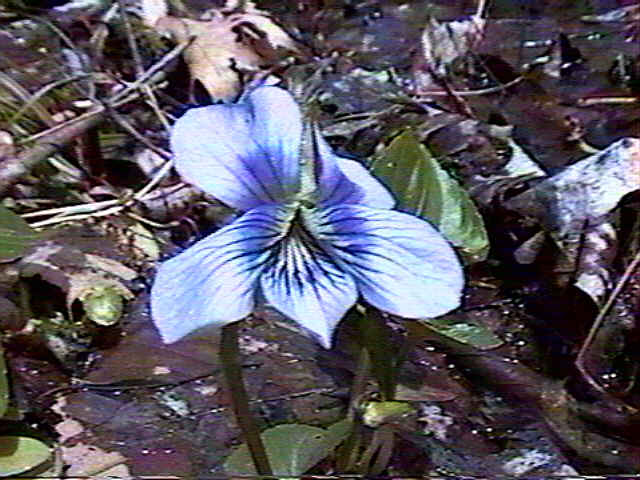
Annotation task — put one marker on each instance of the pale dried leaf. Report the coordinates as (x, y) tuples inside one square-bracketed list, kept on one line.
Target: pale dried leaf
[(583, 192), (630, 13), (526, 253), (88, 460), (598, 251), (108, 265), (217, 52), (574, 207), (144, 241), (7, 148), (274, 34), (153, 10), (68, 427), (442, 43)]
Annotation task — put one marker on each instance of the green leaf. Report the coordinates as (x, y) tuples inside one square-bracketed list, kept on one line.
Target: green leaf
[(423, 188), (375, 414), (4, 385), (20, 454), (476, 335), (292, 449), (16, 236)]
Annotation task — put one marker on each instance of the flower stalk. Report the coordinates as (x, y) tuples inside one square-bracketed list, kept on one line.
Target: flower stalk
[(232, 369)]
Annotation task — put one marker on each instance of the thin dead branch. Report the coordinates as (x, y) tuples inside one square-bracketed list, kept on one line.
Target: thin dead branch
[(49, 142)]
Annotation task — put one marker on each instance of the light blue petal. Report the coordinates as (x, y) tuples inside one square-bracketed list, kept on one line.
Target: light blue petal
[(344, 181), (302, 282), (244, 154), (277, 128), (215, 280), (372, 192), (401, 264)]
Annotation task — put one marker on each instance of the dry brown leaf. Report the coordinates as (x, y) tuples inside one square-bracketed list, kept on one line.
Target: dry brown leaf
[(7, 148), (573, 207), (88, 460), (223, 46), (442, 43), (94, 287), (94, 280)]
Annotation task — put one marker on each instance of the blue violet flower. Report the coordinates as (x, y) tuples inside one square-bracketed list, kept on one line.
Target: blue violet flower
[(317, 231)]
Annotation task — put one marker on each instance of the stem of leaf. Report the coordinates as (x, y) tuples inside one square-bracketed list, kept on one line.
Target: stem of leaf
[(385, 358), (230, 356), (348, 456), (378, 357)]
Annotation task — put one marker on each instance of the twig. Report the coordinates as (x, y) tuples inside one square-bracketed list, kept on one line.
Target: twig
[(14, 168), (177, 50), (589, 101), (481, 10), (152, 101), (53, 139), (73, 209), (159, 175), (30, 103), (137, 135), (82, 216), (133, 46), (151, 223), (90, 210), (472, 93), (580, 358)]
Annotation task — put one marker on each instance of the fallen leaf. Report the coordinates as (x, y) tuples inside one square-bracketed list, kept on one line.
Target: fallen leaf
[(102, 298), (20, 454), (224, 46), (573, 207), (88, 460), (94, 280), (441, 44)]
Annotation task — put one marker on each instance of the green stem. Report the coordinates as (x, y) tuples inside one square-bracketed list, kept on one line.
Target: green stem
[(348, 456), (230, 356), (380, 358), (377, 337)]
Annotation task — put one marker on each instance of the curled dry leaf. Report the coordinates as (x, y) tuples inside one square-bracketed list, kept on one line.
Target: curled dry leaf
[(585, 191), (94, 280), (629, 15), (87, 460), (441, 43), (573, 207), (225, 45), (7, 148), (102, 298)]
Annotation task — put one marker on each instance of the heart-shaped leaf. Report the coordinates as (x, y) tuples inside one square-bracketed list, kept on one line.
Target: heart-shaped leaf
[(20, 454), (425, 189), (292, 449)]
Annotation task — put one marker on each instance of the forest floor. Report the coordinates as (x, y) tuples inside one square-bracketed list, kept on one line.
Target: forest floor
[(530, 108)]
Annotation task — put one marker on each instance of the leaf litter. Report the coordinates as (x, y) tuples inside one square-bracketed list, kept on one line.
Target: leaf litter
[(513, 129)]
